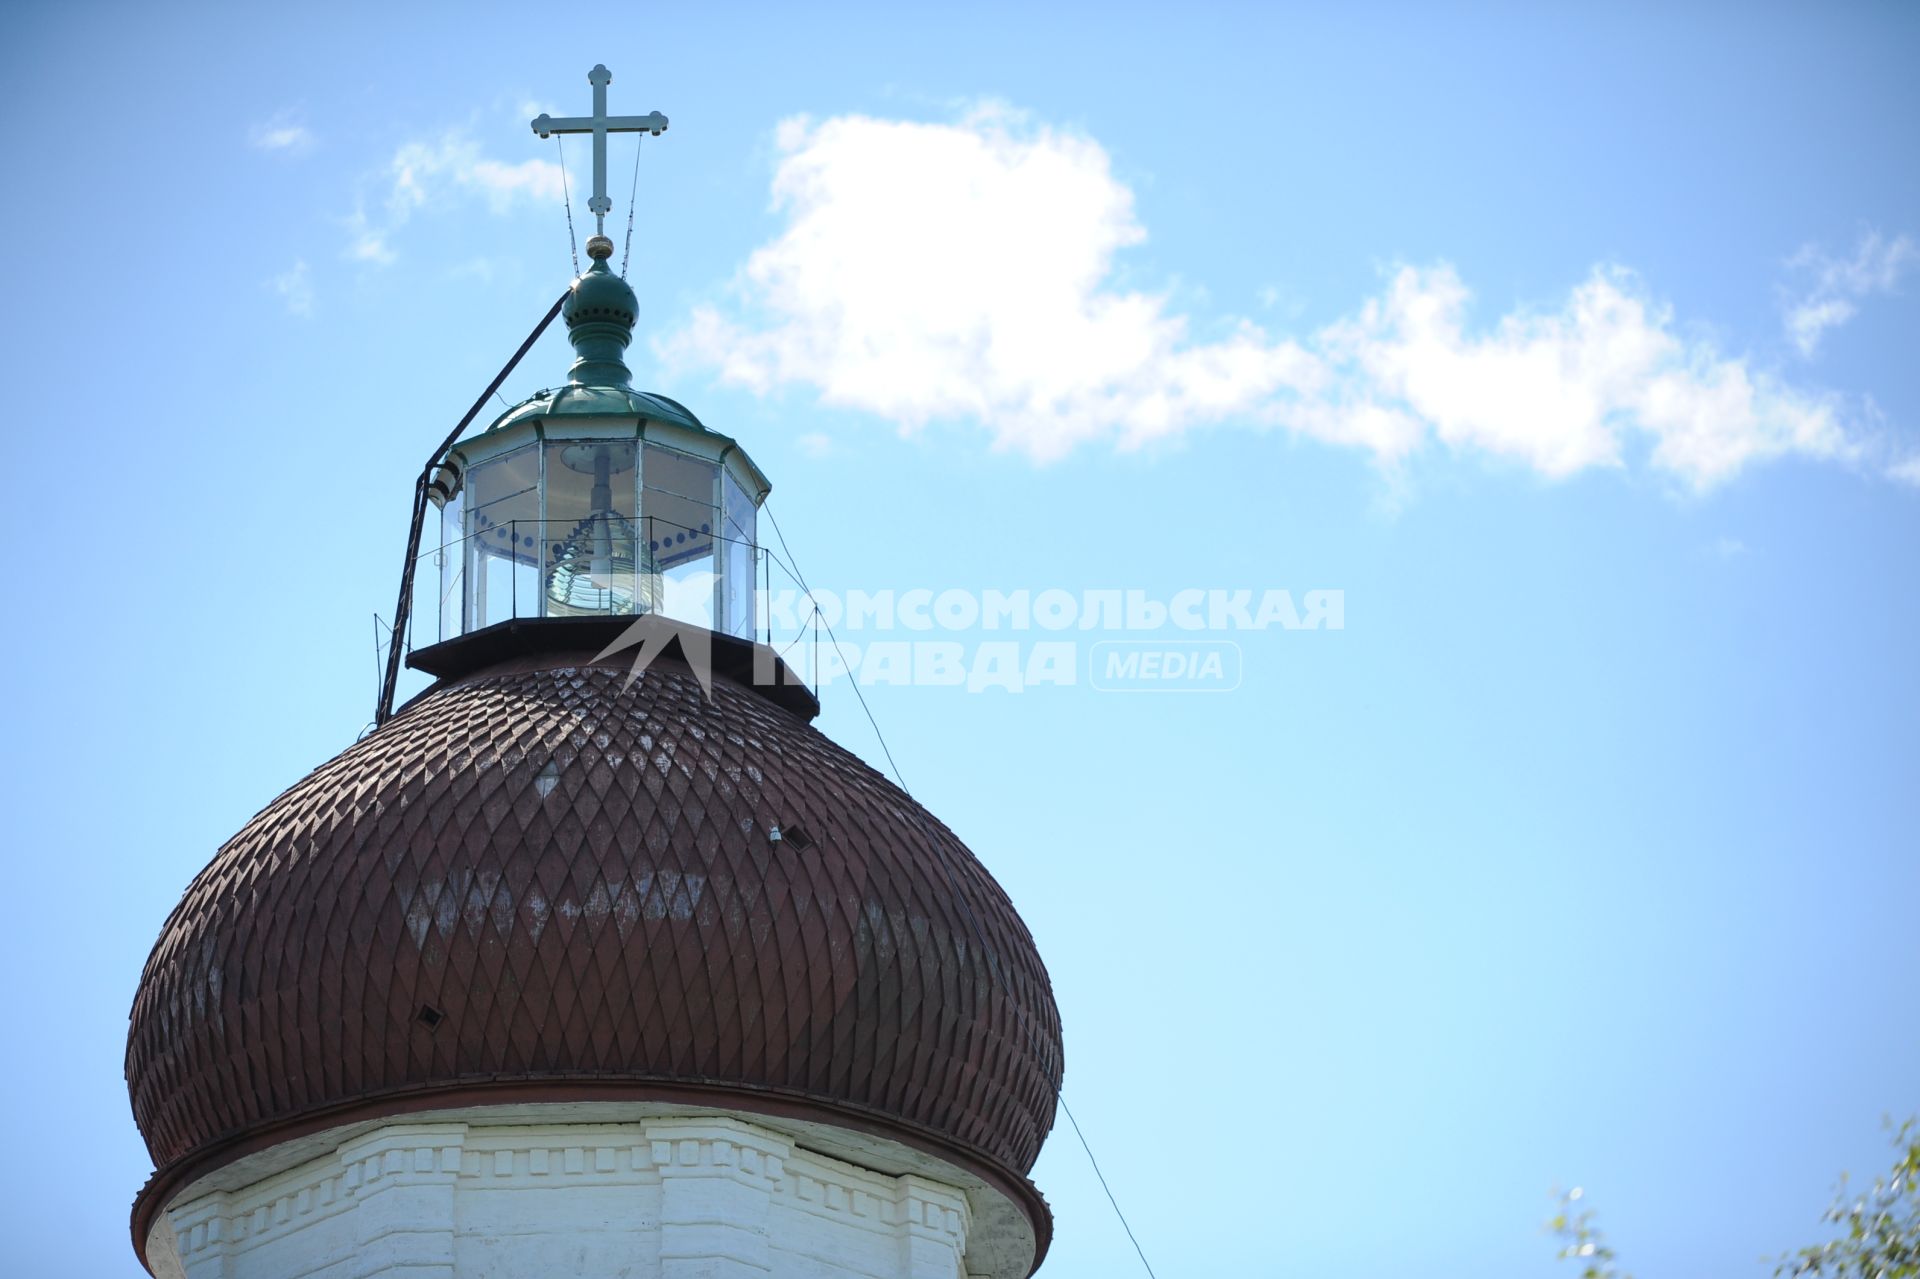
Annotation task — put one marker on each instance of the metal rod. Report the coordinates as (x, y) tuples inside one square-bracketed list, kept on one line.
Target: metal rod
[(403, 610)]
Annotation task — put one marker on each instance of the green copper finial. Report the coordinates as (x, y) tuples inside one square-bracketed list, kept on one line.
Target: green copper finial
[(600, 311)]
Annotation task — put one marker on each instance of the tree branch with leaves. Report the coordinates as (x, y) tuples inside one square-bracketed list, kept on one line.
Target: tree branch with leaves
[(1878, 1234)]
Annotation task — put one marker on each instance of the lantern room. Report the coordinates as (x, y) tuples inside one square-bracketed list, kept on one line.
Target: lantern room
[(593, 500), (555, 514)]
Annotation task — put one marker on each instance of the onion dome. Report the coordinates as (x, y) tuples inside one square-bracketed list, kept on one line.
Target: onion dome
[(600, 311), (541, 881)]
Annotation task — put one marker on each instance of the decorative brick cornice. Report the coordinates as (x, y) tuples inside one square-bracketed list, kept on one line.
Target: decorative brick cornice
[(732, 1199), (706, 1147)]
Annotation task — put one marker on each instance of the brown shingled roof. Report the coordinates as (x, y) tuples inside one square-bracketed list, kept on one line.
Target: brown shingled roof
[(530, 877)]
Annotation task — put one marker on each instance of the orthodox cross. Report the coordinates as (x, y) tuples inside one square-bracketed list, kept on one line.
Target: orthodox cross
[(600, 124)]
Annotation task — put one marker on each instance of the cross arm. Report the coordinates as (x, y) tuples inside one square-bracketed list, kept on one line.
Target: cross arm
[(653, 122)]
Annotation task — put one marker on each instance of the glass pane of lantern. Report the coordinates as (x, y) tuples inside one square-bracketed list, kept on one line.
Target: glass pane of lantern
[(503, 537), (423, 617), (737, 558), (453, 564), (591, 541), (677, 512)]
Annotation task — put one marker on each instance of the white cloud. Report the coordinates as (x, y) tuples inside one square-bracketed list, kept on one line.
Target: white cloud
[(295, 287), (367, 243), (282, 133), (454, 163), (815, 444), (1560, 390), (931, 271), (449, 167), (537, 179), (965, 272), (1835, 286), (1907, 470)]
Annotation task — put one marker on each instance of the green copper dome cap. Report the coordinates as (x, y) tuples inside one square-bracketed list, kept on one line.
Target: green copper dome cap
[(600, 312)]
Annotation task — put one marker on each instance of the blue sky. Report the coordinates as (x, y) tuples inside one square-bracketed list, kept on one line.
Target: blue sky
[(1575, 351)]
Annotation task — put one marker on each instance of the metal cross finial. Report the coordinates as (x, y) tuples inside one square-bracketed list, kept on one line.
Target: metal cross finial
[(600, 124)]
